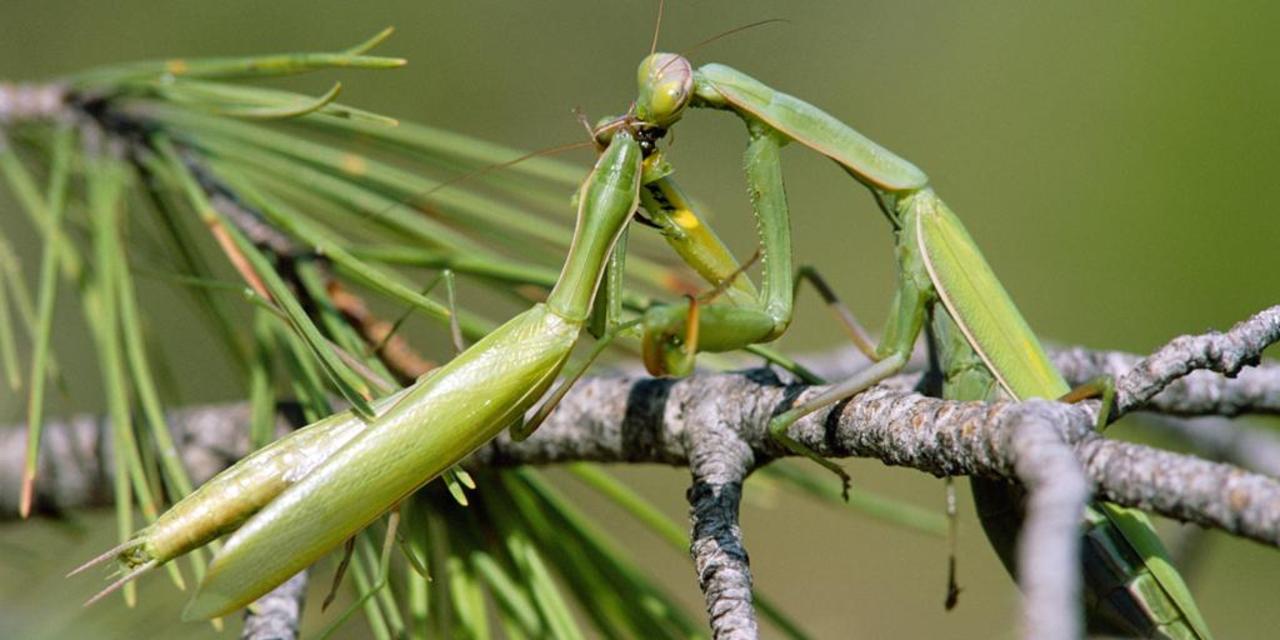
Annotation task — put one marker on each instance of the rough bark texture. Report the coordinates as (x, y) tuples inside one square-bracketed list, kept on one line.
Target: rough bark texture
[(716, 424), (720, 461), (276, 615), (1254, 390), (1225, 353), (1049, 547)]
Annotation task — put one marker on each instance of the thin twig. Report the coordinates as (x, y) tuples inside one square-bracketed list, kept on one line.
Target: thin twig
[(1226, 353)]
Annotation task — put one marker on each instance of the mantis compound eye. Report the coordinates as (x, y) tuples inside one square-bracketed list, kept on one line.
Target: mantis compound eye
[(666, 84)]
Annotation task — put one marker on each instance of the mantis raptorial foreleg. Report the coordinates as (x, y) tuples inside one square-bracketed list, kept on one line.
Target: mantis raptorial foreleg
[(731, 325), (671, 212), (743, 318)]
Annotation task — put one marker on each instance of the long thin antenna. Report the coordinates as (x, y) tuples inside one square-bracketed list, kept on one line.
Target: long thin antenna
[(688, 52), (472, 175), (758, 23), (653, 46)]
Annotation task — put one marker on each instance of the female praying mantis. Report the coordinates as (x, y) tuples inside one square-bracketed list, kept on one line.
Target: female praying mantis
[(941, 275), (417, 434)]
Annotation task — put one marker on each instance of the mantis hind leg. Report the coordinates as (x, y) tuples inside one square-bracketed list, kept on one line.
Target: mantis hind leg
[(852, 327), (382, 569), (348, 552), (906, 321), (860, 381), (953, 541)]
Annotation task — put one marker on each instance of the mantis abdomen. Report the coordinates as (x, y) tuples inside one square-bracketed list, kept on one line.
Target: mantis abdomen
[(457, 409), (1131, 587)]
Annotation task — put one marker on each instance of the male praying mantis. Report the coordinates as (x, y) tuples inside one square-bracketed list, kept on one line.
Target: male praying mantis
[(985, 339)]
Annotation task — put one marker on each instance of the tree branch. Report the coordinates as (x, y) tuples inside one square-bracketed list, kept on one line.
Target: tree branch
[(720, 461), (1223, 440), (717, 425), (1185, 488), (614, 420), (1226, 353), (1049, 546), (1254, 390), (21, 102), (1179, 378)]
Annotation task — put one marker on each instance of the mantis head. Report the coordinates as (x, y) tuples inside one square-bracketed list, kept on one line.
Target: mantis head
[(666, 85)]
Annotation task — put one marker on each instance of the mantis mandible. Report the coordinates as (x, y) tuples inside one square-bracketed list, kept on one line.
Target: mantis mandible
[(941, 275), (337, 476)]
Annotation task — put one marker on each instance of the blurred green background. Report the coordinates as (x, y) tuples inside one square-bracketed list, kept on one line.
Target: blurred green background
[(1116, 162)]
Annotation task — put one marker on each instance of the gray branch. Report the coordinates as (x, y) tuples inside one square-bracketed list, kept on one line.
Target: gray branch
[(22, 102), (276, 616), (720, 461), (716, 424), (1185, 488), (1183, 376), (1254, 390), (1049, 546), (1223, 439), (1225, 353), (637, 420)]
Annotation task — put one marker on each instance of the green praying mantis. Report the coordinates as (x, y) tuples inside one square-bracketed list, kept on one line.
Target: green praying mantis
[(281, 501), (985, 345)]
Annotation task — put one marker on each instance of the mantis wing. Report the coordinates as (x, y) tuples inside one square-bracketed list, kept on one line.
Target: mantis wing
[(441, 421), (982, 309)]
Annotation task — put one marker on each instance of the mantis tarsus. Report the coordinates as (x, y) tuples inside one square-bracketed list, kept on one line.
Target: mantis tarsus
[(941, 274)]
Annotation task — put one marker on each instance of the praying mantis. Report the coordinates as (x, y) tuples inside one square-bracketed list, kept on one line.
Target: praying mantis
[(416, 435), (986, 345)]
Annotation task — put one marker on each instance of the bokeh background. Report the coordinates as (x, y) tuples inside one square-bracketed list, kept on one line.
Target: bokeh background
[(1116, 162)]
